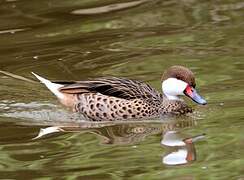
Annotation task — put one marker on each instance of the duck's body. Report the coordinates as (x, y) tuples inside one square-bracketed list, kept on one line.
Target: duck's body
[(117, 98)]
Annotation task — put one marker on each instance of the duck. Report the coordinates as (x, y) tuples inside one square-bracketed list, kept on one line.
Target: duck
[(118, 98)]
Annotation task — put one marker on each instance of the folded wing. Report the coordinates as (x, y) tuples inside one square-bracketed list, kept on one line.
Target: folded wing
[(111, 86)]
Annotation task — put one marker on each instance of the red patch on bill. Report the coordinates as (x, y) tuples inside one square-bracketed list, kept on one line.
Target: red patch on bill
[(189, 91)]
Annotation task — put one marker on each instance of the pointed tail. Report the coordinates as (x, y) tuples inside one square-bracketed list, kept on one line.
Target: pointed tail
[(53, 87)]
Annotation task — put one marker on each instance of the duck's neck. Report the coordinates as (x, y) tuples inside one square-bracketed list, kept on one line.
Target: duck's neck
[(174, 105), (169, 97)]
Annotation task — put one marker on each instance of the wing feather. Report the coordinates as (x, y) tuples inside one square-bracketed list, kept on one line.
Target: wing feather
[(112, 86)]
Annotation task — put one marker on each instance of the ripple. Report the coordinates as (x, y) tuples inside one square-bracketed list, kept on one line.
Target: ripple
[(108, 8), (12, 31)]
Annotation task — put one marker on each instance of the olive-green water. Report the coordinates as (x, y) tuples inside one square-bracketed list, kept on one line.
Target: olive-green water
[(80, 39)]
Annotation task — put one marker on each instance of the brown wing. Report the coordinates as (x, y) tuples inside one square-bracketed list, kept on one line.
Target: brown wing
[(116, 87)]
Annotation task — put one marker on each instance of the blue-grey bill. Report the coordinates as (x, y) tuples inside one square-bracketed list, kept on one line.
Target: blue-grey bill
[(197, 98), (192, 93)]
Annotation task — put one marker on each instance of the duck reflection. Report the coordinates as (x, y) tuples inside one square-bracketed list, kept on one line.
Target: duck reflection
[(132, 133), (180, 150), (179, 147)]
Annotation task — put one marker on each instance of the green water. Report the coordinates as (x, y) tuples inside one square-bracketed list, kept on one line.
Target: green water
[(69, 40)]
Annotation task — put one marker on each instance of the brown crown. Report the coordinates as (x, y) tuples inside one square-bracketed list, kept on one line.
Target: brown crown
[(181, 73)]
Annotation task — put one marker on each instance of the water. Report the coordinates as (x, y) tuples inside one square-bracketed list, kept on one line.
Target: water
[(135, 39)]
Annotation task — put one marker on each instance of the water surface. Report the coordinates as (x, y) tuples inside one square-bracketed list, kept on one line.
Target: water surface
[(76, 40)]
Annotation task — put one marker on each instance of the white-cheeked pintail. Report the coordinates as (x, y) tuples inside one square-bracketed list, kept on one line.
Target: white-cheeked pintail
[(113, 98)]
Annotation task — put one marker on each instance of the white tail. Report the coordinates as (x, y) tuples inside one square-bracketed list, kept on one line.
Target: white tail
[(53, 87)]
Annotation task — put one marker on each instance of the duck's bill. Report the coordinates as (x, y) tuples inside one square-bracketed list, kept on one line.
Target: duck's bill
[(192, 93)]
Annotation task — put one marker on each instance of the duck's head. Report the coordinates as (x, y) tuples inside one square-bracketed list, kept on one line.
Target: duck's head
[(179, 80)]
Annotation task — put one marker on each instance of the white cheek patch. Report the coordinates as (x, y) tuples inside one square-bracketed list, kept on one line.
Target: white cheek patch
[(173, 87)]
